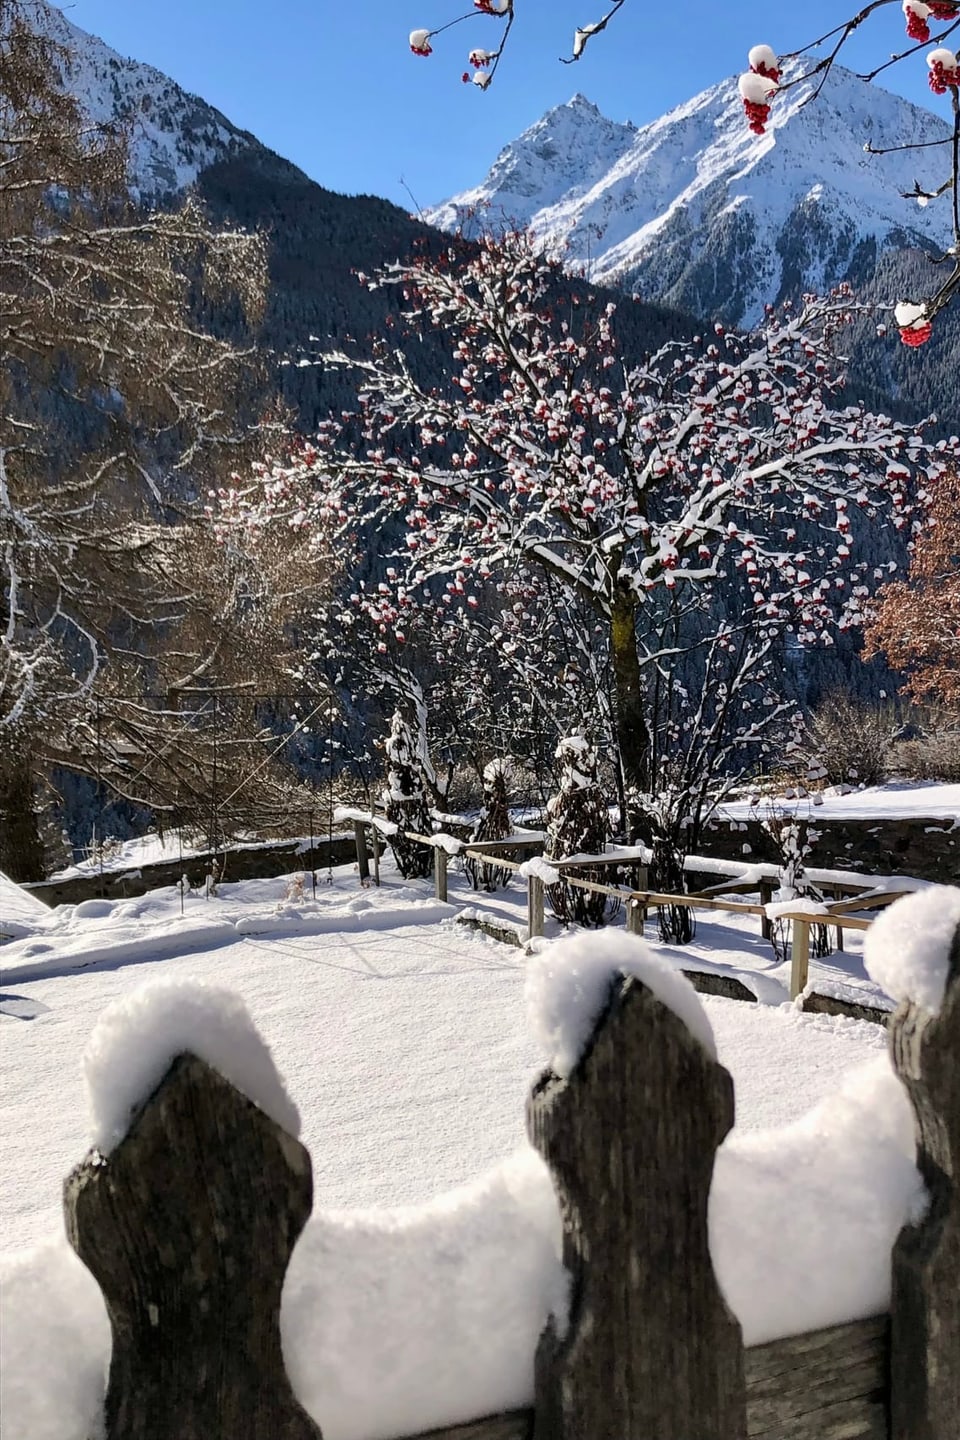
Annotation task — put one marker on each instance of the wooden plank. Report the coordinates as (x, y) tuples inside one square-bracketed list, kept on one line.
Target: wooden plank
[(828, 1384), (636, 915), (766, 895), (925, 1326), (187, 1227), (651, 1351), (825, 1385), (534, 906), (868, 900), (817, 1004), (375, 838), (728, 986), (497, 930)]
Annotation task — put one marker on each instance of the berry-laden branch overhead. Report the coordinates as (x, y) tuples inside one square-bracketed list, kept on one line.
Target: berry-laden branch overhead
[(928, 22), (483, 63), (770, 75)]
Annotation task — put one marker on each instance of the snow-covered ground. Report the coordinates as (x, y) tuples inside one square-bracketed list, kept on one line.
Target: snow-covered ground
[(403, 1041), (402, 1035), (894, 800)]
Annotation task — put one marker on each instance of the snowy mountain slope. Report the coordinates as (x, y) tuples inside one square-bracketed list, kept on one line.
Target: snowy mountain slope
[(173, 136), (695, 210)]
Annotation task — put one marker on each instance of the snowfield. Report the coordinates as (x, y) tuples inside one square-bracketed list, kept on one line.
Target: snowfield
[(418, 1290)]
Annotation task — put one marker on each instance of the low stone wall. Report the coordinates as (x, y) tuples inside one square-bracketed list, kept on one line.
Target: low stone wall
[(926, 848), (253, 862)]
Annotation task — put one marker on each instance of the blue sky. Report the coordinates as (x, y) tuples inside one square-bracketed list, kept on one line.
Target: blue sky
[(332, 86)]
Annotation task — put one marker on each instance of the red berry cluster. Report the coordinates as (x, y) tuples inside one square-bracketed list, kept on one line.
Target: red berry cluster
[(757, 116), (914, 335), (758, 86), (917, 27), (943, 75)]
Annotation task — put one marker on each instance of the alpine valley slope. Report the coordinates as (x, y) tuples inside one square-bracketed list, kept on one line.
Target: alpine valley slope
[(695, 210)]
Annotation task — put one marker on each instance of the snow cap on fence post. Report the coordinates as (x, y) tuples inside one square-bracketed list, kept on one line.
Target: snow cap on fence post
[(188, 1223), (913, 951), (629, 1119), (136, 1039)]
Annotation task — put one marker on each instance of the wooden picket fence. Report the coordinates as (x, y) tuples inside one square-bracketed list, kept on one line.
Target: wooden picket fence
[(189, 1224)]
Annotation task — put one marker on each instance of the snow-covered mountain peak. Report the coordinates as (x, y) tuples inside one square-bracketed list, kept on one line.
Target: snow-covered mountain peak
[(695, 209), (173, 135)]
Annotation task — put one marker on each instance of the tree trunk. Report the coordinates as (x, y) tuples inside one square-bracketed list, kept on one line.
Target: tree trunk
[(21, 849), (633, 735)]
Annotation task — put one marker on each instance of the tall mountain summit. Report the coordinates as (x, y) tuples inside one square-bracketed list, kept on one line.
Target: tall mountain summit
[(173, 136), (695, 211)]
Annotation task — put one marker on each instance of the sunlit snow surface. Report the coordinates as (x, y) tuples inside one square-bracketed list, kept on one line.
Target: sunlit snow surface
[(403, 1041)]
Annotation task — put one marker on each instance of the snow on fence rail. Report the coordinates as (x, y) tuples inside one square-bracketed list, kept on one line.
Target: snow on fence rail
[(638, 901), (189, 1221)]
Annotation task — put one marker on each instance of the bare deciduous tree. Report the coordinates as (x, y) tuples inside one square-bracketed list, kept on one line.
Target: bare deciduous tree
[(116, 407)]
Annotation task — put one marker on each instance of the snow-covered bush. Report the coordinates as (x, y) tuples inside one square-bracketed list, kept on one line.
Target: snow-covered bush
[(494, 823), (793, 839), (577, 823), (405, 799)]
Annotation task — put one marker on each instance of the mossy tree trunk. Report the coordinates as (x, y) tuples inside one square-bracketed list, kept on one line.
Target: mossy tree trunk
[(21, 848), (633, 733)]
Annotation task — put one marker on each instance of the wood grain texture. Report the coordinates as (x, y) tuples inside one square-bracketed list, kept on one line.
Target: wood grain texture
[(825, 1385), (925, 1328), (188, 1227), (651, 1349)]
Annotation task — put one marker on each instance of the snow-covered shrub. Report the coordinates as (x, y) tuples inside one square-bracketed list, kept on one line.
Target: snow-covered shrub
[(405, 800), (793, 839), (494, 823), (664, 819), (577, 821)]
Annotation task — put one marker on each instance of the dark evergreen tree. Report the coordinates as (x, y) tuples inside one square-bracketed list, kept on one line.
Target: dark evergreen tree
[(494, 823), (405, 800), (577, 823)]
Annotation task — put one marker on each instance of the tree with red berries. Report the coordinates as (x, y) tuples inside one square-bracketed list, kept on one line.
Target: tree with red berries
[(916, 622), (928, 22), (727, 466)]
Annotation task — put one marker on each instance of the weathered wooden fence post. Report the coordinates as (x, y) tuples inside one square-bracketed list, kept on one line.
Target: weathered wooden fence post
[(360, 839), (925, 1311), (766, 895), (799, 955), (375, 841), (188, 1227), (439, 873), (651, 1351), (534, 906), (636, 915)]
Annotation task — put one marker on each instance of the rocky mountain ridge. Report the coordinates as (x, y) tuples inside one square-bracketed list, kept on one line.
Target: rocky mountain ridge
[(695, 211)]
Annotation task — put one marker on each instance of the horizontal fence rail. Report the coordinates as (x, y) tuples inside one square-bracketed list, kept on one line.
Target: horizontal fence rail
[(638, 902)]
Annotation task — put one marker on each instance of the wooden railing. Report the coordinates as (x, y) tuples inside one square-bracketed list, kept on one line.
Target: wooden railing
[(638, 901), (191, 1258)]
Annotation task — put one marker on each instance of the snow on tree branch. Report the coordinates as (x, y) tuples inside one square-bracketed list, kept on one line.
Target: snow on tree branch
[(628, 492), (765, 78)]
